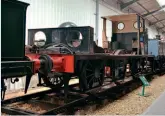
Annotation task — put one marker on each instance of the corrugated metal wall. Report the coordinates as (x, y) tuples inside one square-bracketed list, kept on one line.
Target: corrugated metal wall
[(51, 13)]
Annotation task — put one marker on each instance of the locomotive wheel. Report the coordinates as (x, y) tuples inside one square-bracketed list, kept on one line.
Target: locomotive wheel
[(135, 68), (139, 67), (92, 74), (53, 80)]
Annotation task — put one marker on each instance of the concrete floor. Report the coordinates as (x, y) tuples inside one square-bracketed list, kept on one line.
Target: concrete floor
[(158, 107)]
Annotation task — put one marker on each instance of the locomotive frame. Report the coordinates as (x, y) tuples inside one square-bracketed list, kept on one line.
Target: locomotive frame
[(78, 62)]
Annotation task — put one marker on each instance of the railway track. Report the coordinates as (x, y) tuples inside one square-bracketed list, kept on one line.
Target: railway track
[(51, 102)]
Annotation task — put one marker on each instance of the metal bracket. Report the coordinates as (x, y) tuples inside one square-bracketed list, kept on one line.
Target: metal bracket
[(3, 89)]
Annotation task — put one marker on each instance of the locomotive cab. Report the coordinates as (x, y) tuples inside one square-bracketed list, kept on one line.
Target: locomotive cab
[(128, 32)]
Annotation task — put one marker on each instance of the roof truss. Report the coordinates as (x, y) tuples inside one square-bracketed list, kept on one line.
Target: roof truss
[(149, 13), (124, 5), (156, 22)]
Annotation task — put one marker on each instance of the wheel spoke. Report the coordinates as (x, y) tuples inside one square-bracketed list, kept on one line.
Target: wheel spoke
[(90, 64), (93, 72), (99, 81), (90, 75), (89, 70), (54, 81), (91, 80), (57, 80)]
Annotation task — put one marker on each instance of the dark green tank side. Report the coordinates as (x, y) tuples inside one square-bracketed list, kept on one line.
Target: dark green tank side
[(13, 22)]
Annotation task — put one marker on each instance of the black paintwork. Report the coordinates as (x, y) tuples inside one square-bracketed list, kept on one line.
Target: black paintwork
[(16, 69), (124, 40), (64, 35), (14, 63)]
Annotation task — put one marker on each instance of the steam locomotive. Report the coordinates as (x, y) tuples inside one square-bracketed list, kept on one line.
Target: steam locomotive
[(59, 54)]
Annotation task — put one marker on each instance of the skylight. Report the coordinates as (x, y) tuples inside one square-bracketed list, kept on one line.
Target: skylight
[(161, 3)]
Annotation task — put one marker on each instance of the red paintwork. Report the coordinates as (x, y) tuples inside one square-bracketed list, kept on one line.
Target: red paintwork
[(35, 58), (107, 71), (61, 63)]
